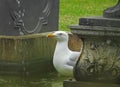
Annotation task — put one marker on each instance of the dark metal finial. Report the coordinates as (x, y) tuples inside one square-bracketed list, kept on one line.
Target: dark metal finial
[(112, 12)]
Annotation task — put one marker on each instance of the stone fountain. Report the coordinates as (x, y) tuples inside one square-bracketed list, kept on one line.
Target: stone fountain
[(100, 58), (21, 53), (24, 47)]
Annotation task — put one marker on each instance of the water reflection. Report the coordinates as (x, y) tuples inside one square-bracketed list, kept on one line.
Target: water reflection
[(49, 80)]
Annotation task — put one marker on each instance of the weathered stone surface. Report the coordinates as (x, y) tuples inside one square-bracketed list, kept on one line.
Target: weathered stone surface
[(19, 17), (100, 59), (95, 31), (29, 54), (99, 21)]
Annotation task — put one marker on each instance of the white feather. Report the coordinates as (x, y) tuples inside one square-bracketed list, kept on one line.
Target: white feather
[(64, 59)]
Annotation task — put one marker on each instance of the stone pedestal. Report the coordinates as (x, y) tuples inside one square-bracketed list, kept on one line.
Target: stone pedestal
[(100, 58)]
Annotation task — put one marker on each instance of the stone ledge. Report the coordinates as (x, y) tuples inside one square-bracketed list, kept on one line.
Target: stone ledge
[(94, 31), (68, 83), (99, 21)]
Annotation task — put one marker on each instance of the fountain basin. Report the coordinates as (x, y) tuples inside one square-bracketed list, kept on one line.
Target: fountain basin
[(30, 54), (26, 54)]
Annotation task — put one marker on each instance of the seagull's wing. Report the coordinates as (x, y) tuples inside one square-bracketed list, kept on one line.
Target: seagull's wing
[(73, 58)]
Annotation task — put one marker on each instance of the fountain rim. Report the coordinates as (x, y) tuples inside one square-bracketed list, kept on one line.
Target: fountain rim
[(95, 31), (37, 35)]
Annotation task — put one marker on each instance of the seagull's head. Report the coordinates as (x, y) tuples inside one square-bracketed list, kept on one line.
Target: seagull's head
[(59, 35)]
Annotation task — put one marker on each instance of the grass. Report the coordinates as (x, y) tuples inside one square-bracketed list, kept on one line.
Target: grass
[(72, 10)]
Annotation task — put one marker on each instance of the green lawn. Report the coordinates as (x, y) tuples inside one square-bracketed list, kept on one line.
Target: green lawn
[(71, 10)]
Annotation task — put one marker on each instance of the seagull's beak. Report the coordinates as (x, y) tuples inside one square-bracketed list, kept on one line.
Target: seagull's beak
[(50, 35)]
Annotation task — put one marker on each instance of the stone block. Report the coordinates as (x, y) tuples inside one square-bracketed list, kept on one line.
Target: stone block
[(20, 17)]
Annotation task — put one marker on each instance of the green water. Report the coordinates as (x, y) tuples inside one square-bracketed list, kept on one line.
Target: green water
[(48, 80)]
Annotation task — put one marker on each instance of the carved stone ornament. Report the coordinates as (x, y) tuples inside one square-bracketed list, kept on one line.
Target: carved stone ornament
[(23, 17), (100, 60), (19, 17)]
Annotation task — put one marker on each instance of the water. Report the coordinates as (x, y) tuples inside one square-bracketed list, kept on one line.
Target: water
[(48, 80)]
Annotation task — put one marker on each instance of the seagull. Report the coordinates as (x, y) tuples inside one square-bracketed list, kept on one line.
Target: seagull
[(64, 59)]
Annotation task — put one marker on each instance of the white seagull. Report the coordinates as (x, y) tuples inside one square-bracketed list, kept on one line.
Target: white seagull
[(64, 59)]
